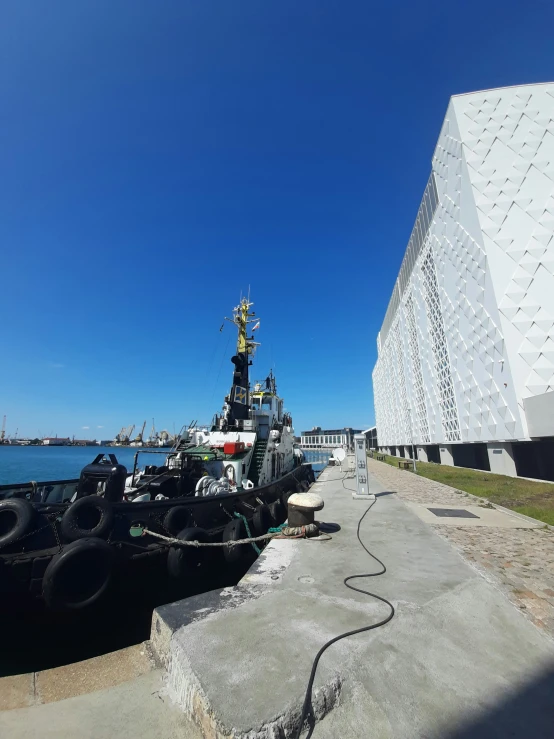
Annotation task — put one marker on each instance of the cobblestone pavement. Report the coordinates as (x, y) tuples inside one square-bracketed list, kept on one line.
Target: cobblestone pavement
[(520, 562)]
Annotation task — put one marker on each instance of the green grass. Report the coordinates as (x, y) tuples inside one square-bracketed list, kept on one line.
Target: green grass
[(535, 499)]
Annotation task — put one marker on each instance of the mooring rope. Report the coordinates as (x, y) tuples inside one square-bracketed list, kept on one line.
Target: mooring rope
[(279, 532)]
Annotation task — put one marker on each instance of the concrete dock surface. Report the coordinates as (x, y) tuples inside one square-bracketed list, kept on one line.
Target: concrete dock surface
[(120, 694), (520, 562), (458, 660)]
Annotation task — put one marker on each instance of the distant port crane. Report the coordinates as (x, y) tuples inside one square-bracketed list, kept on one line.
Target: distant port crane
[(153, 438), (138, 440)]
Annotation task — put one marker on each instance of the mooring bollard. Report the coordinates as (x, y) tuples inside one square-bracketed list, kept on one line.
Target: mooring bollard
[(302, 507)]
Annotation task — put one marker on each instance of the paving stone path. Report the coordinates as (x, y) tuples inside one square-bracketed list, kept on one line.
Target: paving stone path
[(520, 562)]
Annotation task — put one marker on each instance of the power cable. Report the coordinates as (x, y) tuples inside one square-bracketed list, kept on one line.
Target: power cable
[(307, 709)]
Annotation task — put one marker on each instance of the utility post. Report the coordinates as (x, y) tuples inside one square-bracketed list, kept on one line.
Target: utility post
[(412, 438)]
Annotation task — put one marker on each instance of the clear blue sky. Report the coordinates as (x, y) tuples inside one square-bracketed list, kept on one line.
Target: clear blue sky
[(157, 158)]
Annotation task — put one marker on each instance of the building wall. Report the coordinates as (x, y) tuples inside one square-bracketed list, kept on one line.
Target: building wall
[(331, 438), (469, 330)]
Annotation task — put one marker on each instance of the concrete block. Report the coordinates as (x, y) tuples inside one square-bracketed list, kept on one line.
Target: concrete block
[(17, 691), (446, 454), (422, 454), (92, 674), (501, 458)]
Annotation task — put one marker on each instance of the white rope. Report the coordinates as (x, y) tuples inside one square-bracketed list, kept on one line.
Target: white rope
[(286, 533)]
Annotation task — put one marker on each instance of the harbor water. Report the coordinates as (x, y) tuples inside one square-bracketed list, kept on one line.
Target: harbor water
[(40, 463), (25, 463)]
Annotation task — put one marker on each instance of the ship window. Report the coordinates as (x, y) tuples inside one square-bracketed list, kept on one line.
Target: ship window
[(256, 403), (266, 401)]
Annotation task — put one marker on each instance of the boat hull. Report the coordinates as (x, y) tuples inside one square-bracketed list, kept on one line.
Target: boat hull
[(140, 564)]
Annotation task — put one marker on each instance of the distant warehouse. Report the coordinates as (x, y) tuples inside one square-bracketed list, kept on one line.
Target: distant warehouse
[(319, 438), (465, 368)]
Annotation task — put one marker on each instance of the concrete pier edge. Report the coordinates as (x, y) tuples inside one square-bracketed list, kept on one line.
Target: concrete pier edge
[(182, 681), (238, 659)]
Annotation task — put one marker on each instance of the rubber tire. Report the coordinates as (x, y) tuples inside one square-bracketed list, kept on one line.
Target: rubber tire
[(176, 519), (64, 574), (72, 531), (285, 498), (262, 521), (22, 513), (278, 512), (182, 561), (232, 532)]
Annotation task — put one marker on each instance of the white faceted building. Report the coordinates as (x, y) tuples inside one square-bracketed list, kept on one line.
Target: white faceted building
[(465, 368)]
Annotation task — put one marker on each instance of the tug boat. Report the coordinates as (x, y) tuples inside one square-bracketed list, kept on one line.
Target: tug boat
[(67, 543)]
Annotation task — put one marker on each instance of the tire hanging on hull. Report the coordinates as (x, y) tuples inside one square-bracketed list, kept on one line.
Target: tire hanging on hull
[(183, 561), (234, 531), (16, 518), (87, 517), (79, 575)]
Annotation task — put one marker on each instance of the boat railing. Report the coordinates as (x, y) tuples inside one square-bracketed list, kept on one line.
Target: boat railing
[(51, 491)]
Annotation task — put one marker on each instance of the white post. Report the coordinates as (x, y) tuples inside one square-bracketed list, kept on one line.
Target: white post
[(412, 438), (360, 462)]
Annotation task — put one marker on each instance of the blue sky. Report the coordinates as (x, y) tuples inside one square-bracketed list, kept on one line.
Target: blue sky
[(159, 157)]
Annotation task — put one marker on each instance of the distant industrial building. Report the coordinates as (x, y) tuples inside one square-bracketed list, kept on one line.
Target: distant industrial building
[(465, 368), (319, 438), (56, 441), (371, 437)]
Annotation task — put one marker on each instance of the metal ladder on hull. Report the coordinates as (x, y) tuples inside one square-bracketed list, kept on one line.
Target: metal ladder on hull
[(257, 460)]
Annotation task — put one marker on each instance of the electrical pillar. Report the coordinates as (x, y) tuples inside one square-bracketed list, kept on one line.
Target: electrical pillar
[(360, 464)]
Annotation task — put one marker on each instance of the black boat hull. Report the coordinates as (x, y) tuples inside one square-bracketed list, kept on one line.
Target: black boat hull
[(140, 563)]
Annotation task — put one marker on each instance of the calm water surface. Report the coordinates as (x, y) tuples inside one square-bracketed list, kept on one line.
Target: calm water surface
[(25, 463)]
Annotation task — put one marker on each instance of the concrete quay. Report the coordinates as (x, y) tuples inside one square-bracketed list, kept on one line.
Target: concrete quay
[(519, 562), (457, 661), (120, 694)]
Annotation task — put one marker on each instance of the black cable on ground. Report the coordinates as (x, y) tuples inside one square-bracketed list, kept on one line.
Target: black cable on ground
[(307, 710), (352, 490)]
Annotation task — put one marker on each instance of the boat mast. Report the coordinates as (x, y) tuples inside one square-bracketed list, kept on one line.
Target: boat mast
[(239, 399)]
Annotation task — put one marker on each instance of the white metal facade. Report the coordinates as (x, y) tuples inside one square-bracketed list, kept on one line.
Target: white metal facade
[(469, 331)]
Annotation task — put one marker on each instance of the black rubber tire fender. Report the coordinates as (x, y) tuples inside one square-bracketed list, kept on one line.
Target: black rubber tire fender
[(16, 518), (79, 575), (183, 561), (278, 512), (234, 531), (262, 521), (91, 516), (176, 519), (285, 498)]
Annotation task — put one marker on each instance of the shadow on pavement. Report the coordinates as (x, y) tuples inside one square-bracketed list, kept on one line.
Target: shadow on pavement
[(525, 714)]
